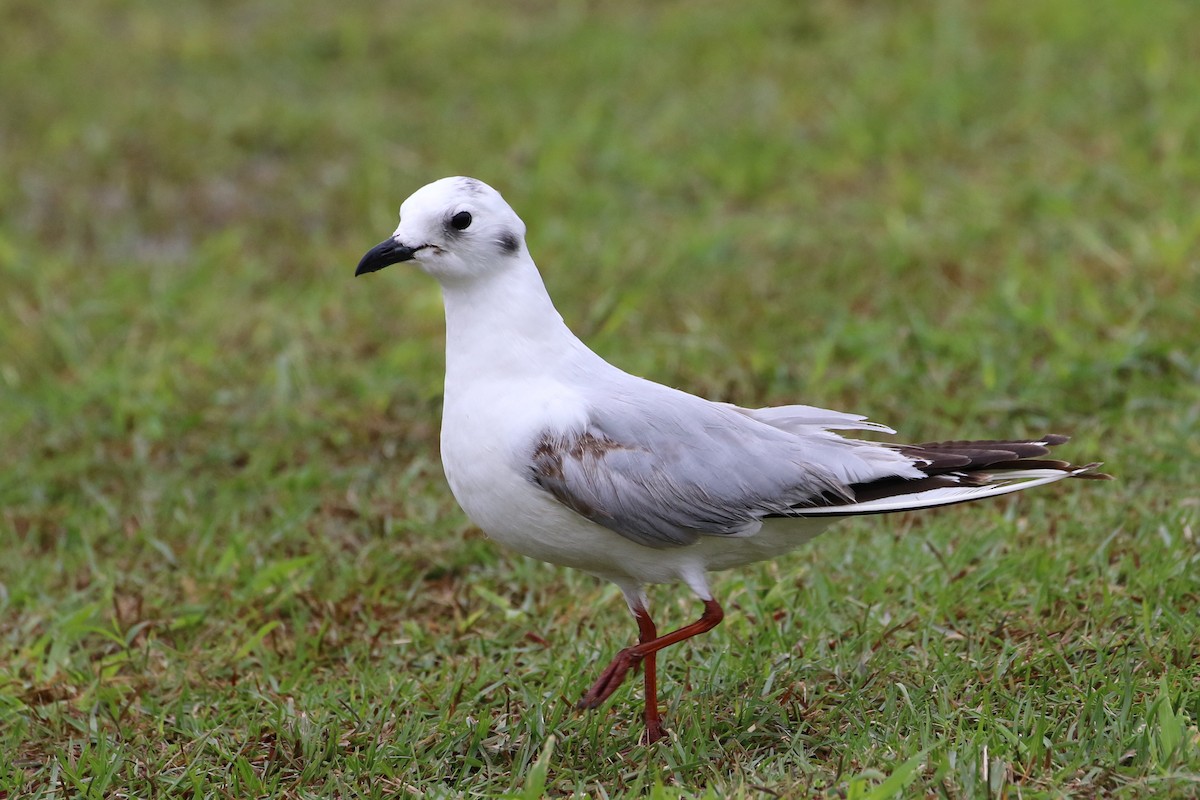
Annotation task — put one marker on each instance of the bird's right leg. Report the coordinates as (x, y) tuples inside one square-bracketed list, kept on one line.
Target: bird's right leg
[(647, 632), (644, 651)]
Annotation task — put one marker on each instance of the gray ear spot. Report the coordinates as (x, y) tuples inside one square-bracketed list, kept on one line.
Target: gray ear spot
[(508, 242)]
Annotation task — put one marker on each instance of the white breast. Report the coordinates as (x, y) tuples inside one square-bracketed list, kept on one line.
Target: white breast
[(489, 431)]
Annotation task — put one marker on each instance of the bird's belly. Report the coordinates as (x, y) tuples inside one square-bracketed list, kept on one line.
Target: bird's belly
[(775, 538)]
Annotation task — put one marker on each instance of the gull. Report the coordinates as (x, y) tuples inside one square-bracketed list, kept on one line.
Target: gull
[(563, 457)]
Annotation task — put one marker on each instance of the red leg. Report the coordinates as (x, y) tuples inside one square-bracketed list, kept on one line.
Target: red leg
[(647, 632), (644, 650)]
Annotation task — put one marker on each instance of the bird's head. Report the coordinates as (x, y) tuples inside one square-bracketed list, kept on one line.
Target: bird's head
[(454, 229)]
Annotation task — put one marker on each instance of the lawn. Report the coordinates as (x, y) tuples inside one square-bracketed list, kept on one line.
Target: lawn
[(229, 562)]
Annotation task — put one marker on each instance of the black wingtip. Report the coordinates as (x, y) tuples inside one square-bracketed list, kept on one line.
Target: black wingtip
[(1088, 472)]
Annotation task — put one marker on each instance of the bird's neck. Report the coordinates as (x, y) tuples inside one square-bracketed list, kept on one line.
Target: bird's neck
[(505, 324)]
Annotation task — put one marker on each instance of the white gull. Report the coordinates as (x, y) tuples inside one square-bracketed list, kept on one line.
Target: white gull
[(561, 456)]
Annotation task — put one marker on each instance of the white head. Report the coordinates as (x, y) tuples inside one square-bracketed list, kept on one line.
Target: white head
[(454, 229)]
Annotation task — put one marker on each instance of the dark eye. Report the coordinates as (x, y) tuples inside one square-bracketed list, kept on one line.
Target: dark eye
[(461, 221)]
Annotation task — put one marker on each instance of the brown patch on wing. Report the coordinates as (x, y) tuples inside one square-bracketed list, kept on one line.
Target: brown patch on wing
[(549, 453), (547, 460), (547, 466)]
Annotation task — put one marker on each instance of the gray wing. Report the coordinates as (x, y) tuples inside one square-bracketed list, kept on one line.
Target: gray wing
[(663, 467)]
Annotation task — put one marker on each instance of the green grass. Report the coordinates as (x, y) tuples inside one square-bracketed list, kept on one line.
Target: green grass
[(230, 566)]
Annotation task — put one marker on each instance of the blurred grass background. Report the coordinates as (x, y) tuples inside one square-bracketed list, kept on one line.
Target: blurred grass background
[(231, 566)]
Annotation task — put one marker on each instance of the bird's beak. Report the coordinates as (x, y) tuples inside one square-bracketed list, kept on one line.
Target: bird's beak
[(384, 254)]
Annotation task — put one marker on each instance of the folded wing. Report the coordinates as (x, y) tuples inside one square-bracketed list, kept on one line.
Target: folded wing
[(663, 469)]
